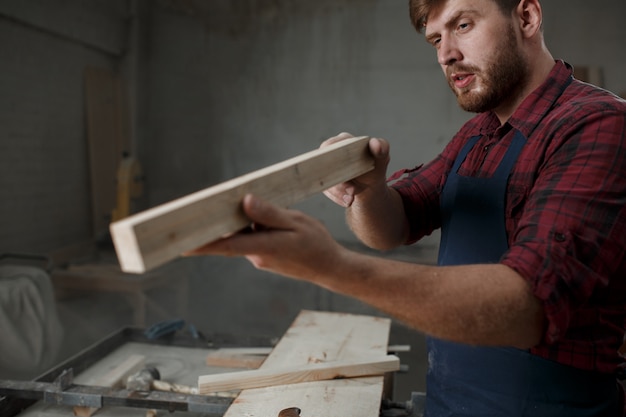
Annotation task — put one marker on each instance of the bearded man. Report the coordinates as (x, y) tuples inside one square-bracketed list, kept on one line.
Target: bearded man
[(525, 310)]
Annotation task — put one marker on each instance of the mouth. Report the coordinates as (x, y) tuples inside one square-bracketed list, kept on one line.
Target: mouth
[(462, 80)]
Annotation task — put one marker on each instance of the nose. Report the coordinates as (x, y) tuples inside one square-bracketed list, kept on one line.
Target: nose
[(448, 52)]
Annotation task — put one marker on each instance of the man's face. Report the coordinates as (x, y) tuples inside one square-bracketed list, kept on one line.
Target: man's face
[(478, 51)]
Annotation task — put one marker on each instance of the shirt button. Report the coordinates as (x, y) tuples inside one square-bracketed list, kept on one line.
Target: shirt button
[(559, 237)]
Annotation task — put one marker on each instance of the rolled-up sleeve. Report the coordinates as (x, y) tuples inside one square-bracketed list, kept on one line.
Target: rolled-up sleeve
[(571, 235)]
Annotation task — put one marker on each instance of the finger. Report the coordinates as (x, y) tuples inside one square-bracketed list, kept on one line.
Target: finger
[(267, 214), (240, 244), (263, 215), (342, 194), (250, 240), (335, 139), (379, 148)]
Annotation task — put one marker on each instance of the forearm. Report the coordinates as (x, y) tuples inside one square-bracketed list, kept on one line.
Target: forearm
[(476, 304), (377, 218)]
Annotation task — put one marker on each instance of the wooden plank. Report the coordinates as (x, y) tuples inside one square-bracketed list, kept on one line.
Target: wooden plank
[(108, 139), (398, 348), (235, 361), (150, 238), (268, 377), (238, 357), (253, 357), (314, 337), (115, 378), (234, 351)]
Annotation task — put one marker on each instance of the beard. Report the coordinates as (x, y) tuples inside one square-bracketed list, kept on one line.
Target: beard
[(503, 78)]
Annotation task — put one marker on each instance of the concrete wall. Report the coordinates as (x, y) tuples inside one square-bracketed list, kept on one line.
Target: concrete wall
[(219, 88), (44, 180)]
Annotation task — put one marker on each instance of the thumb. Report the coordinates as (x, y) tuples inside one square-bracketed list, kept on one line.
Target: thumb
[(265, 213), (379, 148)]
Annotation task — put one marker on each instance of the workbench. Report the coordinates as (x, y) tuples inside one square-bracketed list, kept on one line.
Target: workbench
[(177, 358), (182, 357)]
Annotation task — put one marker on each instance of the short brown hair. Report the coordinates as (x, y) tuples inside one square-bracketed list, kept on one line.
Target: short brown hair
[(420, 9)]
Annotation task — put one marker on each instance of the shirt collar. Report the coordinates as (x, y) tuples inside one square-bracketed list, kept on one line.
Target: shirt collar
[(538, 103)]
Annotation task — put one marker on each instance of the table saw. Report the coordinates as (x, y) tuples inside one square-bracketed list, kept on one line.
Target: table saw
[(177, 356)]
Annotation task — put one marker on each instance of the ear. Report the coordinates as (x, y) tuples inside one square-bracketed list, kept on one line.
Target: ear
[(530, 17)]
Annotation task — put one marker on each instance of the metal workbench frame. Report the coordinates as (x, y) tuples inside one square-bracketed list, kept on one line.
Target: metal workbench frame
[(11, 406)]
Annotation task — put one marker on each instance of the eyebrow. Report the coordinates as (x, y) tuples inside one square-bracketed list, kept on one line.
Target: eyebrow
[(451, 22)]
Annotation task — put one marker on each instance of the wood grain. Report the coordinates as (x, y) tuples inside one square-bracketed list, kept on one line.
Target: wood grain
[(251, 358), (322, 336), (151, 238), (268, 377)]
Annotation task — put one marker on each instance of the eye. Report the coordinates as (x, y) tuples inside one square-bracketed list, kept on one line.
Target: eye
[(463, 26), (434, 41)]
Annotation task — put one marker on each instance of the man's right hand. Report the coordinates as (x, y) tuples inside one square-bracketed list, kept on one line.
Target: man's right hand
[(344, 193)]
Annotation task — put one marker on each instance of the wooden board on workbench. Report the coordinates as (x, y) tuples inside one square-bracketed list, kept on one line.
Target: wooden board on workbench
[(158, 235), (115, 378), (322, 336), (251, 358), (319, 371)]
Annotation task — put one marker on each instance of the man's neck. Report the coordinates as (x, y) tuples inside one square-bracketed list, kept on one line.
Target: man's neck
[(540, 69)]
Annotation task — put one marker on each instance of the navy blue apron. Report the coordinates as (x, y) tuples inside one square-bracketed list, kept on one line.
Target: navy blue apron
[(475, 381)]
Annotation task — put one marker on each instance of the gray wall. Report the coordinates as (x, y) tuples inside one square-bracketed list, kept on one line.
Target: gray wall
[(43, 170), (219, 88)]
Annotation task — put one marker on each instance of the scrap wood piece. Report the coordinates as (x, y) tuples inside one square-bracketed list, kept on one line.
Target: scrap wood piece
[(251, 358), (115, 378), (329, 337), (268, 377), (160, 234), (398, 348)]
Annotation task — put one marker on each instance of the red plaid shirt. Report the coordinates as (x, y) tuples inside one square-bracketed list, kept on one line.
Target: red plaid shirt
[(565, 210)]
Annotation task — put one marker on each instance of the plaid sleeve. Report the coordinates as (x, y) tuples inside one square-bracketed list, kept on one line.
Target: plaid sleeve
[(571, 237)]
